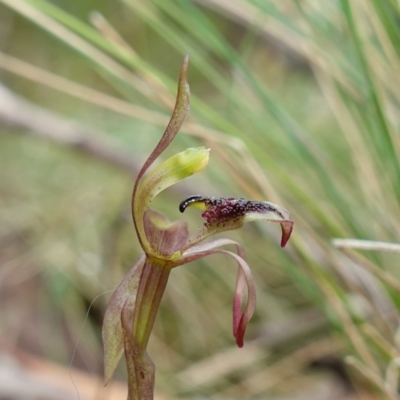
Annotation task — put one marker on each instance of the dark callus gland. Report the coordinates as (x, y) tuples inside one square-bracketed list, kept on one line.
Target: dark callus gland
[(190, 200)]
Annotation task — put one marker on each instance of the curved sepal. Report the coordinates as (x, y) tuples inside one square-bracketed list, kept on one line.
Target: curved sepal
[(179, 114)]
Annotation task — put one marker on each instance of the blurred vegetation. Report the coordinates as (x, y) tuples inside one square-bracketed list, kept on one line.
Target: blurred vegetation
[(299, 102)]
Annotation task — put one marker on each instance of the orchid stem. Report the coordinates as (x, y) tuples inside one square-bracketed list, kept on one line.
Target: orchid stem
[(151, 289), (153, 279)]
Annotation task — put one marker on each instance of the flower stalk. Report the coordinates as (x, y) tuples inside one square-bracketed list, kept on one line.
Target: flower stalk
[(132, 309), (150, 291)]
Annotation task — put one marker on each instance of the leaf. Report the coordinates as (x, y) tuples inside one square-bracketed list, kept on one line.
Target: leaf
[(112, 332), (141, 369)]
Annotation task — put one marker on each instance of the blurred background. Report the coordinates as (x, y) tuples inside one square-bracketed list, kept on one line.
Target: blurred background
[(299, 102)]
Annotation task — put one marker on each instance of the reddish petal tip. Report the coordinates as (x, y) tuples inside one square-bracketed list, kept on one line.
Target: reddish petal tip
[(240, 335), (239, 342), (287, 228)]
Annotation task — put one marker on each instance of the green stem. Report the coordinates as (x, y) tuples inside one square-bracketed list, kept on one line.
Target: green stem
[(151, 289), (138, 328)]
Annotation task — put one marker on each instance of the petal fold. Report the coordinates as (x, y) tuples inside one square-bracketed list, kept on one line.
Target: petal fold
[(166, 238)]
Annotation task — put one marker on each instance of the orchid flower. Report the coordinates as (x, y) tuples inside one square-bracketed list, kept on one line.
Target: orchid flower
[(132, 309)]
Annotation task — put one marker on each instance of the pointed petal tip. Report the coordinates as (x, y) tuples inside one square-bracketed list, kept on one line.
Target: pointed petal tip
[(240, 337), (245, 278), (108, 376), (287, 228), (184, 69)]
